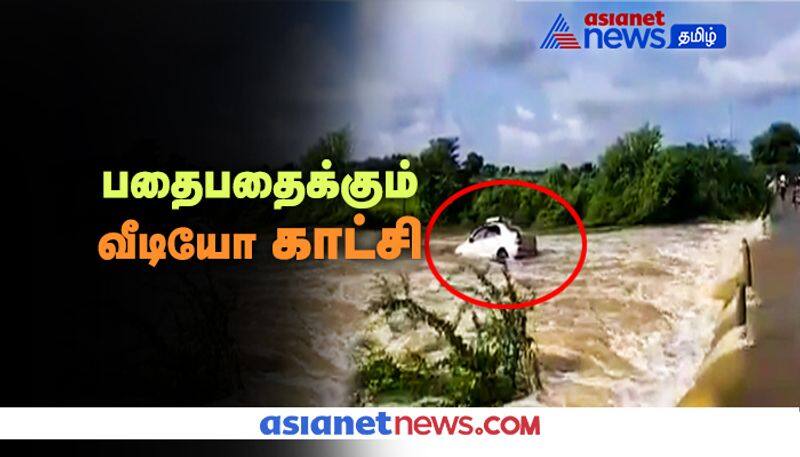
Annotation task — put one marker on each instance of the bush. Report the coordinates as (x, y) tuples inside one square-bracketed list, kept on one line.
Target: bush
[(499, 366)]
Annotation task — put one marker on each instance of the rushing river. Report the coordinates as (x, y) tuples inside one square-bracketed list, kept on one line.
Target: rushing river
[(633, 329)]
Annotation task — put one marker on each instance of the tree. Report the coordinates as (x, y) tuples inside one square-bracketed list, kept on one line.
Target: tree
[(439, 173), (489, 170), (473, 165), (507, 170), (336, 146), (779, 144), (615, 192)]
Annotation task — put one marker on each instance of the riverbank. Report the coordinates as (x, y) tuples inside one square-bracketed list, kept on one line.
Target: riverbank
[(766, 371)]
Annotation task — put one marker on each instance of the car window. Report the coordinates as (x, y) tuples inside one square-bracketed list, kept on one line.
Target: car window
[(478, 234), (486, 232)]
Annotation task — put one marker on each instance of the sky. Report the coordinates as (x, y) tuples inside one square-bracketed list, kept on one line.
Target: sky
[(420, 70)]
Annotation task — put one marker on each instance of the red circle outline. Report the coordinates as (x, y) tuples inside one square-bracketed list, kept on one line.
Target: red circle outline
[(505, 182)]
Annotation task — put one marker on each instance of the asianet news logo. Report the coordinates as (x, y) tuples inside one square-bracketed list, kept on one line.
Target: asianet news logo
[(384, 424), (633, 31)]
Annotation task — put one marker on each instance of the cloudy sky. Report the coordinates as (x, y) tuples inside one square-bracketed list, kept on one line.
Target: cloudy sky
[(474, 70)]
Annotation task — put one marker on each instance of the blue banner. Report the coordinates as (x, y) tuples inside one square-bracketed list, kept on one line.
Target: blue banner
[(698, 36)]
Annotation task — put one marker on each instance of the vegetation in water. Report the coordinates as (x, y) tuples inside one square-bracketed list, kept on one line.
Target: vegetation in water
[(499, 365)]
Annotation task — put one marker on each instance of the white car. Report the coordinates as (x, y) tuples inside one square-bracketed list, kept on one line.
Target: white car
[(496, 239)]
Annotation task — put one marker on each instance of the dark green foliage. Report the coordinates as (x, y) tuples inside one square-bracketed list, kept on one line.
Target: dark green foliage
[(617, 188), (335, 146), (498, 367), (637, 180), (441, 175), (473, 165), (699, 180), (780, 144), (489, 170)]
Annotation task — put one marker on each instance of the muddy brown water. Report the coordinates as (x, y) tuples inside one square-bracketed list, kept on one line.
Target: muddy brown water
[(632, 329), (767, 371)]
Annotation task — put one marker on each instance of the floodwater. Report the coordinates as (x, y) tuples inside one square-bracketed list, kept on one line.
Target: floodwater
[(632, 329), (767, 373)]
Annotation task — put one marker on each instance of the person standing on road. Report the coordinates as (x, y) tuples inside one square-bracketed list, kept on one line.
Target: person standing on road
[(782, 186)]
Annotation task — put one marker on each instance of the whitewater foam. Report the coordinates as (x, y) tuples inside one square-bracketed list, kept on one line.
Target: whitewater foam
[(633, 329)]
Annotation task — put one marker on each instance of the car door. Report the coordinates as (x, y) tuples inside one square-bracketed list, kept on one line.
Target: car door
[(491, 240)]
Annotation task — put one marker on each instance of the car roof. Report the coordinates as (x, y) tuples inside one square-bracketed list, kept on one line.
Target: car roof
[(500, 220), (502, 225)]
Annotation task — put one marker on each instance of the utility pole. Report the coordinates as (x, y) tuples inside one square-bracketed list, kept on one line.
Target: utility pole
[(730, 123)]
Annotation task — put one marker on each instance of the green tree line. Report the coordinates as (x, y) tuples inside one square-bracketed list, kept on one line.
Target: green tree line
[(637, 180)]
